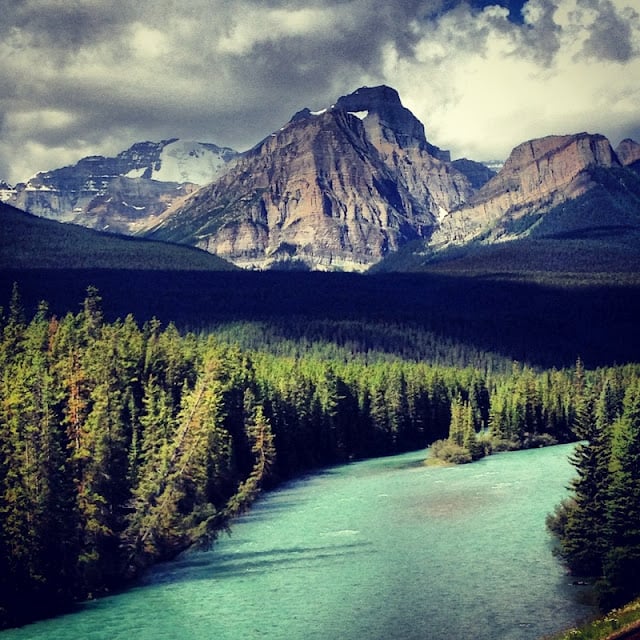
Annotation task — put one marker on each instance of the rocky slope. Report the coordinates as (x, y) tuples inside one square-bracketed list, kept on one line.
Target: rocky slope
[(344, 187), (123, 192), (333, 189), (628, 152), (537, 176), (339, 188)]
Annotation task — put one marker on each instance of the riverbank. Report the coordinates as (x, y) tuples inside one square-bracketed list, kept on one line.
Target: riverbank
[(373, 549), (619, 624)]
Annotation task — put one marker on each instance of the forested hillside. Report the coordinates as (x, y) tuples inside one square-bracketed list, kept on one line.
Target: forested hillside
[(30, 242), (542, 319), (123, 444)]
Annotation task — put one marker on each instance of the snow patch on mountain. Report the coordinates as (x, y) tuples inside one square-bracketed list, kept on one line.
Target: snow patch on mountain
[(186, 161)]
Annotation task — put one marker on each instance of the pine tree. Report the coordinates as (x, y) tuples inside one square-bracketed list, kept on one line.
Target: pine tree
[(621, 565), (264, 451), (583, 538), (174, 502)]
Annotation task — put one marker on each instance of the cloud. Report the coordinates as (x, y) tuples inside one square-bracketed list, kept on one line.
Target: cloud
[(610, 32), (482, 84), (483, 75)]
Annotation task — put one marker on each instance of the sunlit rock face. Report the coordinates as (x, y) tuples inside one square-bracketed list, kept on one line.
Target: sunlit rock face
[(628, 152), (539, 174), (337, 188)]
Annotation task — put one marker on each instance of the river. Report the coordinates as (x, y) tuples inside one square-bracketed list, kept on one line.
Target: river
[(382, 549)]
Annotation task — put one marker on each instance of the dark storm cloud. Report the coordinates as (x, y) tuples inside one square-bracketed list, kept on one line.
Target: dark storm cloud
[(610, 36), (542, 35), (91, 76), (229, 71), (66, 25)]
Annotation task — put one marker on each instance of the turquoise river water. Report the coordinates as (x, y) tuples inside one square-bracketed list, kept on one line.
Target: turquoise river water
[(382, 549)]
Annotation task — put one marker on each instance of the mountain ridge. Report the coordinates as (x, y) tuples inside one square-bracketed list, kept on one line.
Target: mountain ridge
[(120, 193), (341, 188), (336, 188), (29, 242), (429, 199), (538, 175)]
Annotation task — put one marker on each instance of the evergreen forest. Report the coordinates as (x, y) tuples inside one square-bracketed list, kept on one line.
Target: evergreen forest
[(123, 443), (598, 527)]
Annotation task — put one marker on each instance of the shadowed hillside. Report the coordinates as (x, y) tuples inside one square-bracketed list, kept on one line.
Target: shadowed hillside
[(29, 242)]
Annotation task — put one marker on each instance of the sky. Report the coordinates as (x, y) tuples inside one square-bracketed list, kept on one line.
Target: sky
[(88, 77)]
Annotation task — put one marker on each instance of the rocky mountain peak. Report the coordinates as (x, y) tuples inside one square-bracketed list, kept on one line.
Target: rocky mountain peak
[(337, 188), (628, 152), (384, 102), (539, 174), (121, 192), (387, 120), (572, 152)]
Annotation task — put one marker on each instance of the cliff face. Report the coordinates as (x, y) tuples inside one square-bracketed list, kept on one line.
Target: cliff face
[(628, 152), (538, 175), (333, 189), (338, 188)]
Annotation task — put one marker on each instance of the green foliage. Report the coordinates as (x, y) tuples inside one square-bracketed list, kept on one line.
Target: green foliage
[(599, 532), (122, 445), (450, 452), (118, 447), (614, 624)]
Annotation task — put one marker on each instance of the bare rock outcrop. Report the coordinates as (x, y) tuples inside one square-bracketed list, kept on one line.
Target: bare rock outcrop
[(628, 152), (539, 174), (121, 193)]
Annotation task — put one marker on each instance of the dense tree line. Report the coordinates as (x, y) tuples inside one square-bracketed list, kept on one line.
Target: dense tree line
[(121, 445), (599, 526), (522, 410)]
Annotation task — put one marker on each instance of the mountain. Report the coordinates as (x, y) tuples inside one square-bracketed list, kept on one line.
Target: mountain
[(337, 188), (538, 175), (594, 235), (348, 186), (628, 152), (121, 193), (29, 242)]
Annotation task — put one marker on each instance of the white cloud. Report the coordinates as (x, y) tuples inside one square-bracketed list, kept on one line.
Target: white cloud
[(270, 25), (94, 77), (481, 86)]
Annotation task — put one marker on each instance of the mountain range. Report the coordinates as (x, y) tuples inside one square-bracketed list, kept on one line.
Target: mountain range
[(349, 187), (122, 193)]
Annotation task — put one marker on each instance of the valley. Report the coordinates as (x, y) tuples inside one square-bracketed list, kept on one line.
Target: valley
[(342, 290)]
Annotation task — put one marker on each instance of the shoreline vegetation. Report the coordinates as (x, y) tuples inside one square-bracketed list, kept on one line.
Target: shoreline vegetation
[(622, 623), (123, 444), (598, 527)]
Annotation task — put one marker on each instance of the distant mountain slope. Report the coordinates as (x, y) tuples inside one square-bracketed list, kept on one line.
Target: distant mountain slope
[(349, 186), (30, 242), (353, 184), (119, 194), (597, 232), (538, 175)]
